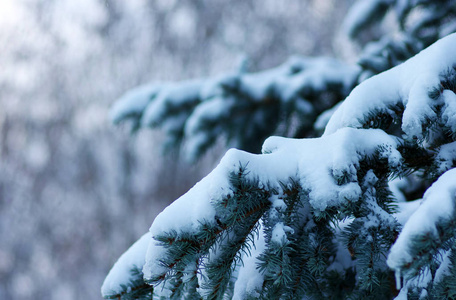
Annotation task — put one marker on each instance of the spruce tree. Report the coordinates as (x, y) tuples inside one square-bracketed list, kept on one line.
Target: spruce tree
[(317, 215)]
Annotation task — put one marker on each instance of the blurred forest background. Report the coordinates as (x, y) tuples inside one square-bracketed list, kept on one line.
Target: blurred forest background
[(69, 180)]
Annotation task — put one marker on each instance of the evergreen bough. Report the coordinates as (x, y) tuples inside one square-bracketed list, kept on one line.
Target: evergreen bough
[(312, 218)]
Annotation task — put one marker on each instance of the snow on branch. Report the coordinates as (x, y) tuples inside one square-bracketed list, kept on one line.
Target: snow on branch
[(420, 24), (215, 222), (427, 230), (122, 279), (300, 218), (413, 93), (245, 107)]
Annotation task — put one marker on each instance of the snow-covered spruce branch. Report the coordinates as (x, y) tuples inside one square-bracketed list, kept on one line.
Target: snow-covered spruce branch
[(313, 217), (292, 195), (245, 107), (419, 94), (429, 231)]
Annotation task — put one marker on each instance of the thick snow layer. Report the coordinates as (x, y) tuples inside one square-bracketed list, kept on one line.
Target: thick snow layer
[(408, 84), (438, 206), (406, 209), (321, 161), (120, 273), (317, 163)]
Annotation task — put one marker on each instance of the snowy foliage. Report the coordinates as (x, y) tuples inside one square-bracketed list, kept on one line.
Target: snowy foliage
[(246, 108), (238, 104), (296, 192), (420, 22), (314, 217)]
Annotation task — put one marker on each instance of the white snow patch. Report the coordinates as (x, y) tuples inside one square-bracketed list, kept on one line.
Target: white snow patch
[(438, 204), (278, 235), (406, 209), (443, 269), (120, 272), (249, 278), (408, 83)]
